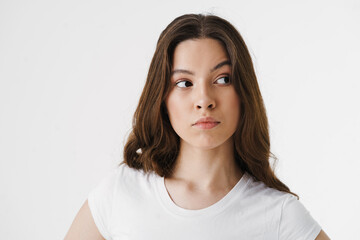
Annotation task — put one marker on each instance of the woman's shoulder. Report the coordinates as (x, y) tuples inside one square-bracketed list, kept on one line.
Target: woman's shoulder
[(124, 170), (124, 178), (103, 196), (293, 218), (259, 195), (123, 175), (258, 189), (120, 185)]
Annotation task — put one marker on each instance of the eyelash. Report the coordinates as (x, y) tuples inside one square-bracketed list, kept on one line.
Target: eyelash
[(185, 81)]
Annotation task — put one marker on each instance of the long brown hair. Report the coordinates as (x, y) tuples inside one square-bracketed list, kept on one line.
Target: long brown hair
[(153, 145)]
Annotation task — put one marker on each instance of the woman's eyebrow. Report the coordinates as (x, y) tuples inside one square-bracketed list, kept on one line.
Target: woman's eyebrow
[(226, 62)]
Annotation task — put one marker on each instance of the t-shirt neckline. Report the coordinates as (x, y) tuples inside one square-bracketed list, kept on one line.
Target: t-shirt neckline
[(213, 209)]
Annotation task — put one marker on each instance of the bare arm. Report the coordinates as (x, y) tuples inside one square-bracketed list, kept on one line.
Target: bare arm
[(83, 226), (322, 236)]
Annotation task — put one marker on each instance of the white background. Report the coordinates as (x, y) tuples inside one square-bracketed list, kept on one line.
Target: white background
[(71, 73)]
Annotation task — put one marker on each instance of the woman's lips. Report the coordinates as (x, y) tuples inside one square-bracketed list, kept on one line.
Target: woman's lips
[(206, 123)]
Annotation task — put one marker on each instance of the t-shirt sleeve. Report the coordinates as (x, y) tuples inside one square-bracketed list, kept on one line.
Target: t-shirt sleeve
[(100, 201), (296, 223)]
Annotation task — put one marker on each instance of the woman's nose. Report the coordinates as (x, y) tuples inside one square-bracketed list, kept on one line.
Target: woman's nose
[(204, 98)]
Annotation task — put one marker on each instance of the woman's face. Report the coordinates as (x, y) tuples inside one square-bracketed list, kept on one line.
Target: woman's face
[(202, 105)]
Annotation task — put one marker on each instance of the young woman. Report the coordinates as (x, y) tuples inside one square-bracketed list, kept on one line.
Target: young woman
[(196, 165)]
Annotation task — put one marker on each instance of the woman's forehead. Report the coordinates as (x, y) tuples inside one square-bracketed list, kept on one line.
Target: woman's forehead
[(199, 53)]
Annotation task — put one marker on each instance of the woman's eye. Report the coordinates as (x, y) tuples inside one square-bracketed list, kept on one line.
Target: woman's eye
[(223, 80), (184, 84)]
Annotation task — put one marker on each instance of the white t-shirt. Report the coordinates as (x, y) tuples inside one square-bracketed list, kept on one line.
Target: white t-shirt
[(130, 204)]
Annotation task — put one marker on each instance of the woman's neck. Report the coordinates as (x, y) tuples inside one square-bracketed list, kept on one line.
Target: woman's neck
[(207, 169)]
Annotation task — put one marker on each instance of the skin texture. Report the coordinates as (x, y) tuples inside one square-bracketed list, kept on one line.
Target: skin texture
[(201, 94)]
